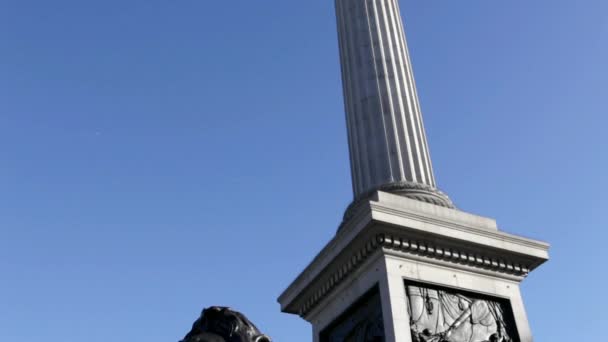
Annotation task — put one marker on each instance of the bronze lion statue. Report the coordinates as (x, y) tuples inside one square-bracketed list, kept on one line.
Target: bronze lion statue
[(221, 324)]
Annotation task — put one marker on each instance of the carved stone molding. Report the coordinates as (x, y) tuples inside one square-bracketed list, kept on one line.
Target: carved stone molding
[(418, 247), (415, 191), (460, 256), (339, 276)]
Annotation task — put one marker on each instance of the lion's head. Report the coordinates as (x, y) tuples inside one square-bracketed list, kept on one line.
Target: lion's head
[(221, 324)]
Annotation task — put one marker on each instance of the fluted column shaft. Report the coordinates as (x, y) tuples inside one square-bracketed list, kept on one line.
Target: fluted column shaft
[(386, 134)]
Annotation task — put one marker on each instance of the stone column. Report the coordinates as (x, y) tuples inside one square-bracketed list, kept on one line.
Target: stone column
[(387, 141)]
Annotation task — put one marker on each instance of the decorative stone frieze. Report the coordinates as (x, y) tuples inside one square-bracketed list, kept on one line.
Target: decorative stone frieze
[(425, 249)]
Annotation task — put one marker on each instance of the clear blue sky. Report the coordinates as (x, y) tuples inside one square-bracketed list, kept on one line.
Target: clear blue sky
[(157, 157)]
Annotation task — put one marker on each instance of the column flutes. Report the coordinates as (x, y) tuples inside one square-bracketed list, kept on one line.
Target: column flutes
[(387, 141)]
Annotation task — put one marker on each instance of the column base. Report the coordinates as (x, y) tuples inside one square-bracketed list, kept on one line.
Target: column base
[(411, 190)]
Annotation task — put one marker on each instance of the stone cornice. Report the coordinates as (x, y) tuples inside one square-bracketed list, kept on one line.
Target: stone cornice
[(482, 232), (509, 268), (339, 274), (418, 232), (507, 265)]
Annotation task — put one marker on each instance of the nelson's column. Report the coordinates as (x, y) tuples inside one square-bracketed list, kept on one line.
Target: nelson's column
[(405, 264)]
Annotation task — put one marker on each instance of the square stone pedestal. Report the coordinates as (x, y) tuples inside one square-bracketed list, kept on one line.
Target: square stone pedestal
[(403, 270)]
